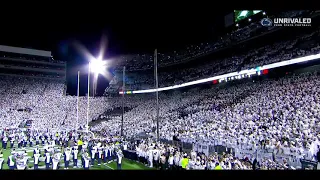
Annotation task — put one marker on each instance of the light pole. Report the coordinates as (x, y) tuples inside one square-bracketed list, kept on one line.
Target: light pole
[(157, 92), (78, 101), (123, 90), (88, 102), (96, 66)]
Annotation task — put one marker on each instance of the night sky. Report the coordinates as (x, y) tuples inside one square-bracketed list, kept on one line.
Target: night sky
[(132, 33)]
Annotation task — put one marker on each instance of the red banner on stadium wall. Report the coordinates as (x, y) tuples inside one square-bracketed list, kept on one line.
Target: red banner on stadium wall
[(215, 81), (266, 71)]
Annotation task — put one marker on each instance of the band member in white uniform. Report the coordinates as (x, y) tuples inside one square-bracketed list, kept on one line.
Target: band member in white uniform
[(100, 151), (11, 162), (36, 161), (1, 160), (75, 156), (48, 160), (119, 159), (67, 154), (55, 161), (93, 154), (21, 164), (86, 161)]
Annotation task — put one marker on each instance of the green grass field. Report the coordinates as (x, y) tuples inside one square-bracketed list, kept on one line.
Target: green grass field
[(127, 164)]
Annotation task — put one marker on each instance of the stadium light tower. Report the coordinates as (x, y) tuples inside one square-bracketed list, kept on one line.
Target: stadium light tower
[(96, 66)]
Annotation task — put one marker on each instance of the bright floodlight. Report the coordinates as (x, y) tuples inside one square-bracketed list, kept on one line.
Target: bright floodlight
[(97, 66)]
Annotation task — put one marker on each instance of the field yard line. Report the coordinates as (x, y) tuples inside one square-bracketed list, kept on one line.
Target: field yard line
[(108, 166)]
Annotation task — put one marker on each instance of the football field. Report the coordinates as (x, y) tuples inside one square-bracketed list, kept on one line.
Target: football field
[(127, 164)]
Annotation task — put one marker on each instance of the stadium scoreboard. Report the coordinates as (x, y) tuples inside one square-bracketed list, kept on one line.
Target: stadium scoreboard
[(244, 14), (238, 15)]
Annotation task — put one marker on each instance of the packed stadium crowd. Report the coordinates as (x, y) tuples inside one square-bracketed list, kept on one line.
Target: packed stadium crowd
[(282, 118), (168, 157), (259, 120), (43, 149), (49, 108), (276, 115)]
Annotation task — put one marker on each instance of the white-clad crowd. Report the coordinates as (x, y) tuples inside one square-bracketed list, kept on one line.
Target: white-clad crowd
[(274, 115), (166, 156), (42, 102), (280, 116)]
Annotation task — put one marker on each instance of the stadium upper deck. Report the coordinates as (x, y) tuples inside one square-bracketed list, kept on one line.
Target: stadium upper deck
[(136, 62), (272, 48), (30, 62)]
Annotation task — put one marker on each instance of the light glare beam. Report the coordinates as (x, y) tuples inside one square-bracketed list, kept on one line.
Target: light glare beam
[(103, 47), (83, 50)]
